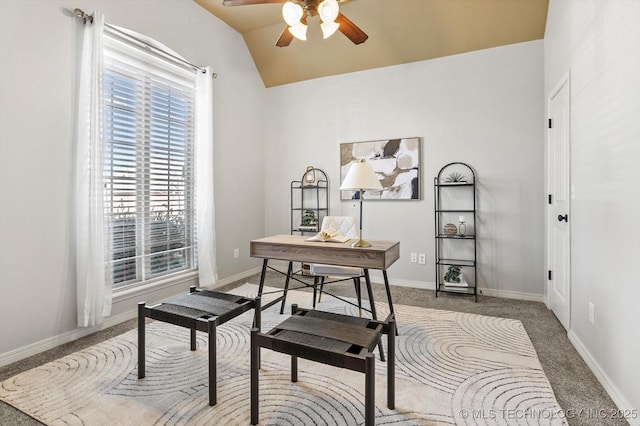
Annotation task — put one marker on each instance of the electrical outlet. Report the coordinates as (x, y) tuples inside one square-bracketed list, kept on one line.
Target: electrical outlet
[(236, 253), (592, 313), (422, 258), (414, 257)]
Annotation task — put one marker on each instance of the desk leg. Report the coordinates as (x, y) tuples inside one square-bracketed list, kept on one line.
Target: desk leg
[(262, 277), (386, 286), (257, 319), (316, 282), (286, 287), (372, 304)]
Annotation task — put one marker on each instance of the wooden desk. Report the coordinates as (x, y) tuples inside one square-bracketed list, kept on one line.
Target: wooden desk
[(294, 248)]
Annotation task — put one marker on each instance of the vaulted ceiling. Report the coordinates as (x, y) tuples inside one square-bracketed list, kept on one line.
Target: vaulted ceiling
[(400, 31)]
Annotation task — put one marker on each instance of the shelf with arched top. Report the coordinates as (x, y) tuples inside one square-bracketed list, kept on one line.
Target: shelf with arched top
[(309, 201), (456, 245)]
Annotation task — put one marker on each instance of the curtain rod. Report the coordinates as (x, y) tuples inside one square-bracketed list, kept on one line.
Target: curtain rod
[(86, 17)]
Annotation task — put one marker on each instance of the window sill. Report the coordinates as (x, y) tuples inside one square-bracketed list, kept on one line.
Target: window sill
[(190, 278)]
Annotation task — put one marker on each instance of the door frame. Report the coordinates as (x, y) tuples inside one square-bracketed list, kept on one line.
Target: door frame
[(565, 79)]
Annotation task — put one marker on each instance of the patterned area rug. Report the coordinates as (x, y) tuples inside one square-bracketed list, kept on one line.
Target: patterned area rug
[(451, 368)]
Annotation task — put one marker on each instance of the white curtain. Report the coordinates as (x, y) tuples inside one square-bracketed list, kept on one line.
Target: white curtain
[(94, 283), (205, 220)]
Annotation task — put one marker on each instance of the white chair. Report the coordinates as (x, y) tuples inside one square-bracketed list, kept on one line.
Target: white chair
[(347, 226)]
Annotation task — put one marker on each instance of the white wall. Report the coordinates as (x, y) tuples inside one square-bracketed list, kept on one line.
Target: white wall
[(484, 108), (599, 42), (38, 58)]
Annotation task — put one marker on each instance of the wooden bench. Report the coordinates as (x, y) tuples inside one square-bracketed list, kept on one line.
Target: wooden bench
[(198, 310), (333, 339)]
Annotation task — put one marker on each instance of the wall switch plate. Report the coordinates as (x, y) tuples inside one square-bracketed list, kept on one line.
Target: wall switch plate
[(236, 253), (422, 258), (414, 257), (592, 314)]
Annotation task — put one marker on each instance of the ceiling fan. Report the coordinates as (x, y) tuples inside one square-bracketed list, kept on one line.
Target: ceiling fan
[(296, 12)]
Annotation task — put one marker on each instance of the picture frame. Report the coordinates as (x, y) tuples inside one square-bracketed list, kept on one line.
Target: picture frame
[(396, 162)]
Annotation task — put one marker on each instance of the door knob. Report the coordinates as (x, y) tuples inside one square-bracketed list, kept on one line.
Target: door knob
[(565, 218)]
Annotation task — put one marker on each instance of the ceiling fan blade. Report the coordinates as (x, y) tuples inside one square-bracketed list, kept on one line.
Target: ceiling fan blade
[(351, 30), (248, 2), (285, 38)]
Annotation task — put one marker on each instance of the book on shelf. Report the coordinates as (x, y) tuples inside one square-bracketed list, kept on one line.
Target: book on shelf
[(308, 227), (456, 288), (329, 236), (462, 284)]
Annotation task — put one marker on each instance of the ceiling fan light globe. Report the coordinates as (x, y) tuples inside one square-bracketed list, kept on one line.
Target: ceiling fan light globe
[(328, 10), (299, 31), (292, 13), (328, 28)]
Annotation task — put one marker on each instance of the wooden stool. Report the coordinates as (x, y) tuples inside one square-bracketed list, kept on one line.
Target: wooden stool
[(200, 310), (333, 339)]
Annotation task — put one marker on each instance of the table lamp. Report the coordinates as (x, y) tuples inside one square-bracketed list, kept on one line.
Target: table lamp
[(361, 177)]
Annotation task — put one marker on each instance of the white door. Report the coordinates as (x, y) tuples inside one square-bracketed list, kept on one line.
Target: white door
[(558, 217)]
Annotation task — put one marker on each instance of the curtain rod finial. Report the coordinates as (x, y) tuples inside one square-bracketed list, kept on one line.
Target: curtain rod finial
[(81, 14)]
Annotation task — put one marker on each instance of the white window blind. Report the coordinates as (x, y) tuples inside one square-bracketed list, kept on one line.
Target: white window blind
[(148, 133)]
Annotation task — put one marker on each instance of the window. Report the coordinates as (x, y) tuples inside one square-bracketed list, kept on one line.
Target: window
[(148, 136)]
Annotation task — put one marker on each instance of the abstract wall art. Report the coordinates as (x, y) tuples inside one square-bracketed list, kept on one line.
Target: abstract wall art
[(396, 163)]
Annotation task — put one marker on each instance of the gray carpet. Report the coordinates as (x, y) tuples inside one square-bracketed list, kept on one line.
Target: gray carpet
[(575, 387)]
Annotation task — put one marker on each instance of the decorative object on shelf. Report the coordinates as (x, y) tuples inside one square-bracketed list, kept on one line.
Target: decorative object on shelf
[(462, 226), (396, 163), (450, 229), (455, 177), (361, 177), (452, 275), (309, 218), (310, 176)]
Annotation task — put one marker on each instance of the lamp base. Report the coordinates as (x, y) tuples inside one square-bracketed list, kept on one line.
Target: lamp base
[(361, 243)]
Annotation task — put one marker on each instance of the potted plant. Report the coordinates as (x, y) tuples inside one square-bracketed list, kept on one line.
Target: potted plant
[(454, 277), (309, 218), (455, 177)]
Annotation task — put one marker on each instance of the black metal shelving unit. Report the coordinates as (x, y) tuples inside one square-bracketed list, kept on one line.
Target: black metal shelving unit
[(309, 197), (455, 194), (313, 197)]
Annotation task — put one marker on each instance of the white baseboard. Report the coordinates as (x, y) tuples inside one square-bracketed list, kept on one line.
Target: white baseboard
[(376, 277), (138, 294), (506, 294), (51, 342), (428, 285), (618, 398), (236, 277)]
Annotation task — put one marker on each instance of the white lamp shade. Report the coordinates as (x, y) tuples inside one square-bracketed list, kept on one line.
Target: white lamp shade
[(299, 31), (328, 10), (292, 13), (328, 28), (361, 176)]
